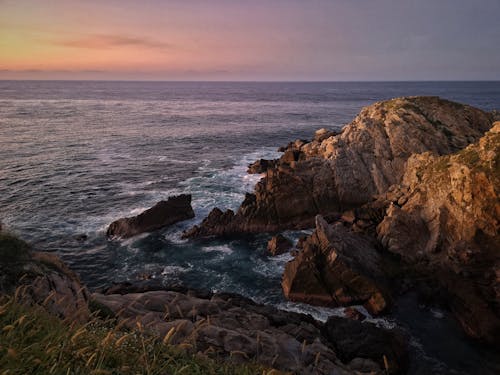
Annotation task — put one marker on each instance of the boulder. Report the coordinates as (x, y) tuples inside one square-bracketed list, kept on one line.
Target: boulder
[(279, 245), (337, 267), (162, 214), (352, 339), (344, 171)]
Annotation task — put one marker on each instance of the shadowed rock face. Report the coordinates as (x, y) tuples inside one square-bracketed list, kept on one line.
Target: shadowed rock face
[(162, 214), (41, 278), (279, 245), (336, 172), (237, 329), (337, 267), (351, 338), (446, 213)]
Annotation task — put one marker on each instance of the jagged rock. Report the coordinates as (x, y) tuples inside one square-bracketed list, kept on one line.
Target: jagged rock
[(162, 214), (235, 328), (261, 166), (346, 170), (300, 242), (217, 223), (279, 244), (446, 218), (386, 347), (322, 134), (337, 267)]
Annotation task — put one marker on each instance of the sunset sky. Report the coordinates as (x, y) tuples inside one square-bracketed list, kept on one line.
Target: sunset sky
[(250, 40)]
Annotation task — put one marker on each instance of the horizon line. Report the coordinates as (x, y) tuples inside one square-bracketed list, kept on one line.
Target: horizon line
[(250, 81)]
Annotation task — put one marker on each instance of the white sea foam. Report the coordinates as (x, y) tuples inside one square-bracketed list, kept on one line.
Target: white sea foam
[(222, 249), (174, 270), (319, 313)]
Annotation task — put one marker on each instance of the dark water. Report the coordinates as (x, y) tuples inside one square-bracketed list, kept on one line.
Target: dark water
[(74, 156)]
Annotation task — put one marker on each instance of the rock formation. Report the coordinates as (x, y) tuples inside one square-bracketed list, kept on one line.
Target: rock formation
[(279, 245), (261, 166), (41, 278), (336, 172), (337, 267), (162, 214), (446, 215), (233, 327)]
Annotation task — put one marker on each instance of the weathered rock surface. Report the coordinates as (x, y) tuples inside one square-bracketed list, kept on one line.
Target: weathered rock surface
[(388, 348), (162, 214), (41, 278), (233, 327), (337, 267), (445, 216), (336, 172), (279, 245), (261, 166)]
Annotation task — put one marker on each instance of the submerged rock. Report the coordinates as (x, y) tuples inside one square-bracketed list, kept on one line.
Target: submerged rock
[(162, 214), (279, 245), (334, 173)]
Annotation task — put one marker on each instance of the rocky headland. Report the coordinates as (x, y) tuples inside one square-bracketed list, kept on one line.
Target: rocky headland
[(405, 197), (336, 172)]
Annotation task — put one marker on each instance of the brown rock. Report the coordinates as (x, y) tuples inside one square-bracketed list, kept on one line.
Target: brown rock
[(162, 214), (448, 227), (346, 170), (231, 327), (336, 267), (261, 166), (279, 244)]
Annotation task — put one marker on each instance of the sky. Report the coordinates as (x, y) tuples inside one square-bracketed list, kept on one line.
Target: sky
[(257, 40)]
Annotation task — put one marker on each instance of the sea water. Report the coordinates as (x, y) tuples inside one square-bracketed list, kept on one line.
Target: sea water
[(74, 156)]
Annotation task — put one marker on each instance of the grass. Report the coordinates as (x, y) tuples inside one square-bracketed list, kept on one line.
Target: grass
[(35, 342)]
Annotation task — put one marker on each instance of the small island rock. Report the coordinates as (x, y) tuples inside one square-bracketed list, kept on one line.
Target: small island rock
[(162, 214)]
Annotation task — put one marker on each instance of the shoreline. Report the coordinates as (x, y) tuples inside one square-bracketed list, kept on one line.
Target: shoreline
[(366, 220)]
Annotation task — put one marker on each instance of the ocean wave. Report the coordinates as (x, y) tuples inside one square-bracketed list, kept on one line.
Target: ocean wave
[(220, 248)]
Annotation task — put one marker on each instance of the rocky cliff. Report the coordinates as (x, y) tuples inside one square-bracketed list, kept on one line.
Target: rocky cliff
[(336, 172), (437, 232), (445, 217)]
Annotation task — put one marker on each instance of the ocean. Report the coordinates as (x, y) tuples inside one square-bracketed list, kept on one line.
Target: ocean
[(75, 155)]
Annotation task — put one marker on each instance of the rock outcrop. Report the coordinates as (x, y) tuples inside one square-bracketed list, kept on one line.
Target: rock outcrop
[(337, 267), (261, 166), (279, 245), (336, 172), (388, 348), (41, 278), (445, 216), (235, 328), (162, 214)]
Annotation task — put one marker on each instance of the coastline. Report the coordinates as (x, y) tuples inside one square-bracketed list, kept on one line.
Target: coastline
[(356, 218)]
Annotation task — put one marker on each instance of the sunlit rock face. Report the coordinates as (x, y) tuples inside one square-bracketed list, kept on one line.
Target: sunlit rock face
[(336, 172)]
